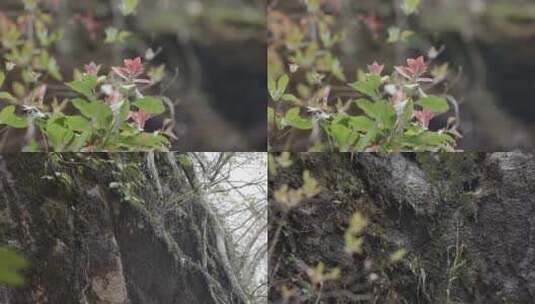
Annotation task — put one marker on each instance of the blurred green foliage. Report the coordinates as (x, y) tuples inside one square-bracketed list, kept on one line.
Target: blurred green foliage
[(10, 266)]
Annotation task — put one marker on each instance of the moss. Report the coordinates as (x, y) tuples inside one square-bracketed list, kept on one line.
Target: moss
[(55, 211), (127, 180), (184, 160), (451, 173)]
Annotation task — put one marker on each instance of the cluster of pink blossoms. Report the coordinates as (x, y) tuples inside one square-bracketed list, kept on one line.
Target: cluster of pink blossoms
[(128, 74), (413, 71)]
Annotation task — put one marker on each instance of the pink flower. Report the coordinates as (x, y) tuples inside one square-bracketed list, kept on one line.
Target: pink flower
[(375, 68), (134, 66), (424, 117), (92, 68), (139, 118), (414, 68), (131, 70)]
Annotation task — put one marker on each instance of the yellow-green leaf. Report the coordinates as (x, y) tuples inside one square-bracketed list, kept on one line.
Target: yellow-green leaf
[(295, 120), (8, 117), (129, 7), (434, 103), (151, 105)]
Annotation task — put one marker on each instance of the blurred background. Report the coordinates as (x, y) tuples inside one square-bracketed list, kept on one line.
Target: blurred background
[(214, 53), (489, 45)]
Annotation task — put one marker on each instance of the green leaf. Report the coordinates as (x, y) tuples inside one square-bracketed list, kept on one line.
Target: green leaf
[(368, 107), (85, 107), (121, 116), (53, 69), (113, 35), (128, 7), (370, 138), (282, 83), (368, 86), (270, 116), (429, 139), (80, 140), (293, 119), (97, 111), (77, 123), (344, 136), (8, 117), (123, 111), (361, 123), (272, 86), (406, 115), (85, 86), (410, 6), (395, 34), (150, 105), (8, 96), (2, 78), (276, 90), (434, 103), (290, 98), (337, 70), (10, 265), (382, 111), (58, 136), (144, 140)]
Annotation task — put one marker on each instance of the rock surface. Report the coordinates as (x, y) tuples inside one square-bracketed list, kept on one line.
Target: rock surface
[(465, 219), (111, 229)]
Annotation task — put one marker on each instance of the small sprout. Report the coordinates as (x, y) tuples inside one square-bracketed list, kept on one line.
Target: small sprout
[(284, 160), (319, 275), (310, 186), (398, 255), (287, 293), (288, 197), (353, 240)]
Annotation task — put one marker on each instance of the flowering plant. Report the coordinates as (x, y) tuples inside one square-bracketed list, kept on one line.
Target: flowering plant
[(99, 112), (386, 112)]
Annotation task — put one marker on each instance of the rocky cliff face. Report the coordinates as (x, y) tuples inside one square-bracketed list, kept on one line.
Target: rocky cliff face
[(118, 228), (465, 219)]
